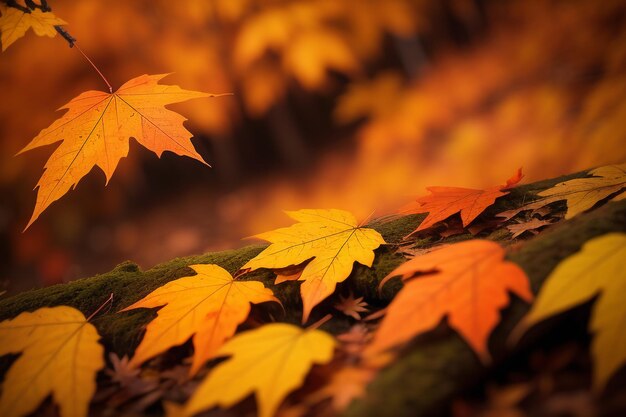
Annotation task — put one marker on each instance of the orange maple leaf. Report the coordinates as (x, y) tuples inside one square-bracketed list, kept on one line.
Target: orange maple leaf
[(446, 201), (469, 285), (97, 127)]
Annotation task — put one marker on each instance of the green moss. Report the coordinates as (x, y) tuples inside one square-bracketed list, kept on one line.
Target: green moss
[(424, 379), (394, 229), (120, 331)]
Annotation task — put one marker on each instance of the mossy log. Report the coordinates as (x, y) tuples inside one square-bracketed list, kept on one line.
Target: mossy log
[(427, 373)]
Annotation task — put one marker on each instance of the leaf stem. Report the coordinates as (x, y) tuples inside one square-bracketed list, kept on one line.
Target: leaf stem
[(94, 66), (367, 219), (320, 322), (108, 300)]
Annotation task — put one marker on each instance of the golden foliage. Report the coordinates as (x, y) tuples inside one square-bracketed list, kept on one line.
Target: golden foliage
[(208, 306), (270, 361), (596, 271), (60, 355), (331, 238)]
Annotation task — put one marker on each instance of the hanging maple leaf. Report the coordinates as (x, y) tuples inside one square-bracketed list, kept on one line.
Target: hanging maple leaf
[(468, 282), (530, 226), (14, 23), (60, 356), (446, 201), (270, 361), (584, 193), (208, 306), (596, 271), (331, 238), (97, 127)]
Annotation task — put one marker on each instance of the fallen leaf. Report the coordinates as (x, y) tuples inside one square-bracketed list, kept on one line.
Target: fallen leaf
[(446, 201), (479, 227), (468, 282), (544, 211), (357, 336), (351, 306), (122, 372), (270, 361), (454, 230), (14, 23), (131, 386), (583, 193), (596, 271), (539, 208), (529, 226), (97, 127), (60, 356), (412, 252), (288, 274), (345, 385), (331, 238), (208, 306)]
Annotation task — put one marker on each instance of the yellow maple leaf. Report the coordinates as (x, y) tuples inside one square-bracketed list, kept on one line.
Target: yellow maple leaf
[(270, 361), (60, 356), (598, 269), (97, 127), (14, 23), (208, 306), (331, 238), (583, 193)]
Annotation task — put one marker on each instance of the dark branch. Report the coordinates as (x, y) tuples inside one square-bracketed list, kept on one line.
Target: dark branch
[(15, 5), (69, 38), (43, 5)]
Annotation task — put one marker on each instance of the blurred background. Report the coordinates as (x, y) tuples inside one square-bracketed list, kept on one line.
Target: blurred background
[(352, 104)]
